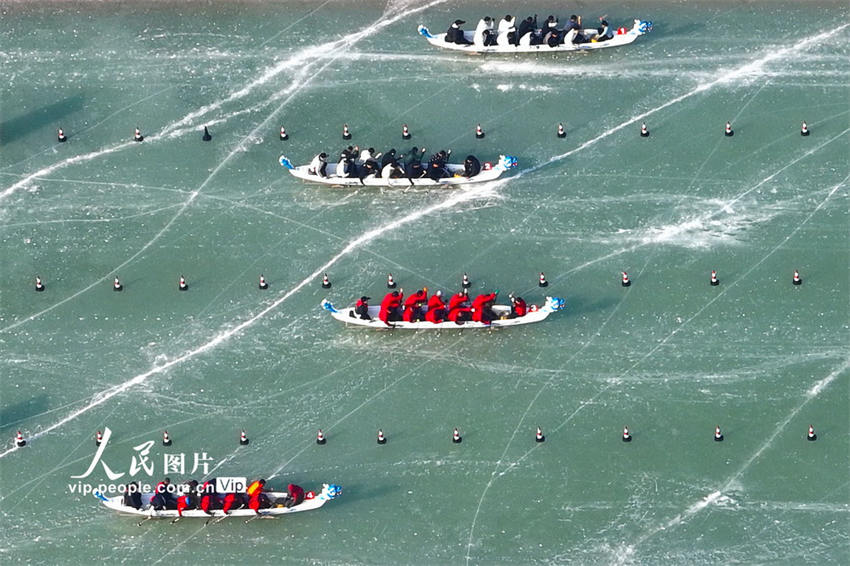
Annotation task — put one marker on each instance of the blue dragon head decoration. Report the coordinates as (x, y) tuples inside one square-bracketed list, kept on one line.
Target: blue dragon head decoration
[(423, 31), (507, 161), (643, 26), (331, 491), (284, 162), (554, 304), (328, 306)]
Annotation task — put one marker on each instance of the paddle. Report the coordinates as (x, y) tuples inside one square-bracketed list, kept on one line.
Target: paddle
[(260, 516), (148, 518), (223, 517)]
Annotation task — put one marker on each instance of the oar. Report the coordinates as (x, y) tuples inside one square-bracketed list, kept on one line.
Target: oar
[(225, 516), (148, 518), (257, 516), (174, 520)]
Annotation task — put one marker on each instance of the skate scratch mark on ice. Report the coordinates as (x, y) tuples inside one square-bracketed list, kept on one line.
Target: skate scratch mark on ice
[(729, 77), (87, 128), (482, 190), (92, 220), (87, 458), (293, 24), (699, 506), (365, 402), (496, 473), (298, 59), (810, 394), (171, 130), (689, 224), (816, 389), (295, 86)]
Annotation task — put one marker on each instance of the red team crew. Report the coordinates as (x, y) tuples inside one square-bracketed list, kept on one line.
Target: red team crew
[(395, 307), (481, 311), (436, 308), (413, 306), (390, 307), (459, 309)]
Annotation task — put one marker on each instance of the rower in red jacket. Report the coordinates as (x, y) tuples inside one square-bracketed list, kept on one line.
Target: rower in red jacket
[(436, 308), (459, 310), (230, 500), (413, 305), (389, 307), (518, 307), (208, 496), (460, 299), (481, 308)]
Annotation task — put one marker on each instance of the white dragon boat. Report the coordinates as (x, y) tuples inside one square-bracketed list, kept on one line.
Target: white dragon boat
[(311, 501), (489, 172), (534, 314), (621, 37)]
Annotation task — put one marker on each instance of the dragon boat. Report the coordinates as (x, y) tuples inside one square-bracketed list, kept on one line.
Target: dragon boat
[(489, 172), (623, 36), (311, 501), (535, 314)]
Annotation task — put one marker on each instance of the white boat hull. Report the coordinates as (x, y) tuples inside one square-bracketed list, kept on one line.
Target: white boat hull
[(488, 172), (439, 40), (348, 316), (309, 504)]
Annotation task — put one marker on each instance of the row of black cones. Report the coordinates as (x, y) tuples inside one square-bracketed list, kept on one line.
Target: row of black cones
[(406, 135), (391, 283), (322, 439)]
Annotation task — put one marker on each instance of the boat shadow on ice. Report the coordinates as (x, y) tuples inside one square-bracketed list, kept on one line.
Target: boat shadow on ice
[(12, 414), (38, 118)]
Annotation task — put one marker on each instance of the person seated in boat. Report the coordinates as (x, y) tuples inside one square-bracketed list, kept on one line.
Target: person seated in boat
[(481, 307), (455, 34), (471, 166), (550, 34), (507, 31), (603, 32), (573, 31), (459, 309), (367, 154), (370, 167), (390, 307), (390, 168), (518, 307), (527, 26), (319, 165), (163, 498), (256, 498), (132, 495), (295, 495), (436, 308), (413, 306), (413, 168), (361, 309), (389, 157), (209, 498), (437, 165), (188, 499), (230, 500), (345, 166), (485, 35)]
